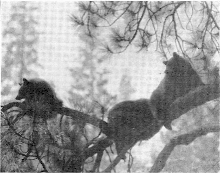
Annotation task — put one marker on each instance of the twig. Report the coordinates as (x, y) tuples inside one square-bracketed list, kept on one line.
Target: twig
[(40, 160), (97, 162), (210, 14)]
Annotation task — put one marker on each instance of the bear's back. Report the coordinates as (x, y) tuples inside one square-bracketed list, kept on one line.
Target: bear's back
[(38, 90), (179, 79), (131, 113), (41, 87), (132, 120)]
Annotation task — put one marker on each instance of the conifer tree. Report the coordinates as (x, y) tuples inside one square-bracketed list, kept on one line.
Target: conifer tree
[(90, 77), (20, 37), (125, 88)]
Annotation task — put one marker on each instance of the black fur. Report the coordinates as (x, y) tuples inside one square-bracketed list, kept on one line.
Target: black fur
[(128, 120), (179, 79), (38, 90)]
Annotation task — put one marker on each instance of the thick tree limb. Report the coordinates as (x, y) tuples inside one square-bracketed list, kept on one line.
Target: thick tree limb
[(12, 104), (98, 147), (119, 157), (76, 115), (184, 139), (193, 99), (85, 118)]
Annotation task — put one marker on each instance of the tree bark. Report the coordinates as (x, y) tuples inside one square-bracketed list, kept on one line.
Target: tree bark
[(184, 139)]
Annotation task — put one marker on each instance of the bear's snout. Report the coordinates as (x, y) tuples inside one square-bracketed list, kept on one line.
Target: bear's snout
[(18, 97)]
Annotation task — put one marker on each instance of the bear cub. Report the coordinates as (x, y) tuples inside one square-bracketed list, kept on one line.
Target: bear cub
[(180, 78), (38, 94)]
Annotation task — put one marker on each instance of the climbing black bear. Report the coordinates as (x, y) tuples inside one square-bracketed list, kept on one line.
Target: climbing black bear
[(179, 79)]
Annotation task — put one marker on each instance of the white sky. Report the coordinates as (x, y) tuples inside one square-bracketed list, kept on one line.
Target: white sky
[(58, 50), (61, 49)]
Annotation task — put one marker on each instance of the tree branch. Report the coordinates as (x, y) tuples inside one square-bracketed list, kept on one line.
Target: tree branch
[(193, 99), (119, 157), (210, 14), (74, 114), (12, 104), (184, 139), (98, 147)]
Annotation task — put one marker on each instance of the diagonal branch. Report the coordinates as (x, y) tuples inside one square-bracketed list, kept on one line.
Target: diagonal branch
[(118, 158), (193, 99), (184, 139), (210, 14), (98, 147)]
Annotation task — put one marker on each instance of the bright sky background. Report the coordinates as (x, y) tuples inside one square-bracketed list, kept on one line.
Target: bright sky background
[(58, 50)]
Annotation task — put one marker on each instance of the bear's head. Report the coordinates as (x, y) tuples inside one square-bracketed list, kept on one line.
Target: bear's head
[(26, 90), (178, 66)]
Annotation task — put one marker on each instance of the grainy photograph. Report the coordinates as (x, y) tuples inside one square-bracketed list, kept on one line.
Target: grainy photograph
[(110, 86)]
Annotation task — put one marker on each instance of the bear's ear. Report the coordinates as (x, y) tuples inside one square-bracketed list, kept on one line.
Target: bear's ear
[(25, 81), (165, 62)]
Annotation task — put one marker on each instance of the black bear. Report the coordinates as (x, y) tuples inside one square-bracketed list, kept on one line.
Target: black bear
[(38, 94), (131, 121), (179, 79)]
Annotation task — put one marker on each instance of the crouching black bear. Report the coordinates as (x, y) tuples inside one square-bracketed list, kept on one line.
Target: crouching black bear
[(131, 121), (39, 97)]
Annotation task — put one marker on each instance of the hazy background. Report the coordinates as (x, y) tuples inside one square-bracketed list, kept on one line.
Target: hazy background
[(58, 49), (132, 75)]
